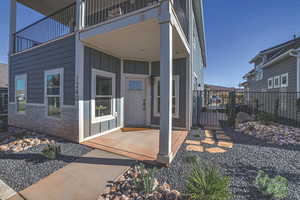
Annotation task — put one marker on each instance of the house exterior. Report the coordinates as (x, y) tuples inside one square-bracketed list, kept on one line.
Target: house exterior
[(276, 78), (94, 66), (3, 89)]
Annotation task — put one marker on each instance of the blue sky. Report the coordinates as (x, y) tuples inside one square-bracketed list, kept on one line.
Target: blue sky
[(236, 30)]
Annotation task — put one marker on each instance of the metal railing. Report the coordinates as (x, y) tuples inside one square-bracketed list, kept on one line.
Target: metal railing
[(182, 15), (49, 28), (211, 106), (98, 11)]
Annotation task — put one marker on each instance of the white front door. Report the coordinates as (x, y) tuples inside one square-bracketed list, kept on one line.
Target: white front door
[(135, 102)]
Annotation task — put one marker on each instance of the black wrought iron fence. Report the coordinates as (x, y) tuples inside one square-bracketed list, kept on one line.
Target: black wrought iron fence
[(49, 28), (212, 107), (3, 108), (98, 11)]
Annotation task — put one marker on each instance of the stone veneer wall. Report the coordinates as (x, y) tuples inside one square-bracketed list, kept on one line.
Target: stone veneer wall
[(35, 119)]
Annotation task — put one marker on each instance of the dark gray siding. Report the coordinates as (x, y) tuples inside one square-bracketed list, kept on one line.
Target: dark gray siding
[(98, 60), (179, 68), (136, 67), (58, 54), (288, 65)]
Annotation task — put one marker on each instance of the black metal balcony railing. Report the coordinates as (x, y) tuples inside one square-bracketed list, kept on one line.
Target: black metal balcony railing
[(98, 11), (49, 28)]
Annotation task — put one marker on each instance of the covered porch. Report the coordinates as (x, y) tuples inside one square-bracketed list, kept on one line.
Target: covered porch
[(138, 143)]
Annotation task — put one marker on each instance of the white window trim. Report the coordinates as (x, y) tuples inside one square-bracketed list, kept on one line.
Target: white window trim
[(156, 113), (61, 90), (96, 72), (272, 85), (277, 86), (17, 77), (287, 80)]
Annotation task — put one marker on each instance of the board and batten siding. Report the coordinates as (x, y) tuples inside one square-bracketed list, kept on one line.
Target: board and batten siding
[(94, 59), (179, 68), (34, 62), (57, 54), (288, 65)]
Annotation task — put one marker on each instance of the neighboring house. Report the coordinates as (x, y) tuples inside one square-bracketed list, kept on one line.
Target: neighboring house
[(276, 77), (95, 66), (3, 89)]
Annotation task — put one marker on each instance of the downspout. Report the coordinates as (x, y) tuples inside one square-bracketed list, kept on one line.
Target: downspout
[(296, 53)]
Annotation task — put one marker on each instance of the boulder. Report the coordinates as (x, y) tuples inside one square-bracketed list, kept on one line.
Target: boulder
[(244, 117)]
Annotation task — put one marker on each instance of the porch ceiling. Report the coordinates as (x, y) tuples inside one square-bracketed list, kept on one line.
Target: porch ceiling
[(139, 41), (46, 7)]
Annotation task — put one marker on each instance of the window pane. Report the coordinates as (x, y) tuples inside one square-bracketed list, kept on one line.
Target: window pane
[(53, 84), (54, 106), (135, 85), (283, 80), (21, 102), (173, 88), (173, 105), (103, 106), (103, 85)]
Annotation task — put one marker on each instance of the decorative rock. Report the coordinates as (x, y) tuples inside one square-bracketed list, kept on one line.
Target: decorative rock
[(173, 195)]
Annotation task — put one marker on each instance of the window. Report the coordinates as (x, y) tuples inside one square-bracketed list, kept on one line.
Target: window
[(276, 81), (21, 93), (175, 96), (259, 73), (270, 83), (53, 92), (103, 101), (284, 80), (135, 85)]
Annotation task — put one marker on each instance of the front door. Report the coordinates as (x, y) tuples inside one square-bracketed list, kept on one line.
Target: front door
[(135, 102)]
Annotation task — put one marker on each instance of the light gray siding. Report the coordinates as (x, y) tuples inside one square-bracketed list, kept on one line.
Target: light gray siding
[(288, 65), (58, 54), (98, 60), (179, 68)]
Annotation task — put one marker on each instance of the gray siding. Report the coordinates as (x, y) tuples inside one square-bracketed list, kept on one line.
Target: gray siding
[(179, 68), (58, 54), (98, 60), (288, 65), (136, 67)]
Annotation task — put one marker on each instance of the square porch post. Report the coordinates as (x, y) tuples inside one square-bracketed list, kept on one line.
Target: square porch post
[(166, 72), (12, 25)]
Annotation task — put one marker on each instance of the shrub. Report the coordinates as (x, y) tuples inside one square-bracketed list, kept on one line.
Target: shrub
[(206, 182), (265, 118), (272, 187), (51, 151), (145, 181), (191, 158)]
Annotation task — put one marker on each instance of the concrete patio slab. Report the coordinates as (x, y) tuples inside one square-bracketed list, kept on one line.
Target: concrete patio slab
[(142, 144), (85, 178)]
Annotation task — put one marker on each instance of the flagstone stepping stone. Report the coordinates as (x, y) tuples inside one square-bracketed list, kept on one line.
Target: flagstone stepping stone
[(208, 141), (197, 148), (225, 144), (215, 150), (223, 137), (208, 133), (195, 142)]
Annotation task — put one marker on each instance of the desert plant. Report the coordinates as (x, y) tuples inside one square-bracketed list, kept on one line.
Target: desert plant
[(265, 118), (206, 182), (272, 187), (51, 151), (191, 158), (145, 181)]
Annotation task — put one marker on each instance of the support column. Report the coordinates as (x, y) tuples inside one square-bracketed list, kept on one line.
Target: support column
[(12, 25), (166, 72)]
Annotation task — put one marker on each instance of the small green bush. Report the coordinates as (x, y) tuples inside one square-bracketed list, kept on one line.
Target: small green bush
[(191, 158), (197, 135), (145, 182), (51, 151), (205, 182), (272, 187), (265, 118)]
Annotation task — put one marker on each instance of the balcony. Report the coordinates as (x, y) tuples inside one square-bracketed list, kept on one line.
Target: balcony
[(94, 12)]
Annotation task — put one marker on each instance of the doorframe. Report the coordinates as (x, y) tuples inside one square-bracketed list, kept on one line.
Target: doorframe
[(147, 79)]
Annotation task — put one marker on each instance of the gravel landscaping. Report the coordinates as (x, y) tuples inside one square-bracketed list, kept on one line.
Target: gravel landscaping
[(22, 169), (241, 163)]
